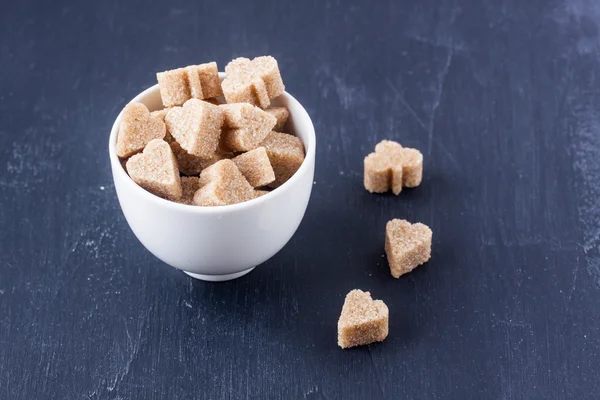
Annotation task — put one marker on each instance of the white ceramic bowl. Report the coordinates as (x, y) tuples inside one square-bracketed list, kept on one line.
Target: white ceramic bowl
[(225, 242)]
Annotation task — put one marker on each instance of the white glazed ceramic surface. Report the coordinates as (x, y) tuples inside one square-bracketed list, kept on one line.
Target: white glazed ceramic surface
[(218, 243)]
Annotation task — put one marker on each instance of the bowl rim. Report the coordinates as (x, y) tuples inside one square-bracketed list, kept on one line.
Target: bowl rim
[(119, 171)]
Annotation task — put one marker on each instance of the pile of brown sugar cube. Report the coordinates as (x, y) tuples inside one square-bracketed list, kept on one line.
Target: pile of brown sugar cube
[(391, 167), (214, 143)]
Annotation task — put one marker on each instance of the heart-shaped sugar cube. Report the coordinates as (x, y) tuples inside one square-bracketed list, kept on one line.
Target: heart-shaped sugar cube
[(362, 321), (245, 126), (222, 184), (196, 126), (137, 129), (155, 169), (407, 245)]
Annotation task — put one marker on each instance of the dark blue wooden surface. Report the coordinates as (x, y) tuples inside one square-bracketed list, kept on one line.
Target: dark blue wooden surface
[(503, 99)]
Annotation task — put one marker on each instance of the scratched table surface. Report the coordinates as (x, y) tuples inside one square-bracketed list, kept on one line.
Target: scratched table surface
[(502, 98)]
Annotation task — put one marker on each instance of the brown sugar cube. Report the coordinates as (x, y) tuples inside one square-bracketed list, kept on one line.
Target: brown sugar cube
[(363, 320), (407, 245), (255, 82), (383, 169), (412, 167), (174, 87), (137, 129), (161, 114), (388, 146), (217, 156), (155, 169), (286, 153), (245, 126), (190, 164), (209, 79), (196, 126), (260, 193), (193, 82), (189, 186), (222, 184), (281, 114), (193, 165), (392, 167), (256, 167)]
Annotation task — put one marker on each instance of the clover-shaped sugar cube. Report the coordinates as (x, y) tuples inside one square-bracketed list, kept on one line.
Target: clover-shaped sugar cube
[(392, 167), (254, 81), (193, 82)]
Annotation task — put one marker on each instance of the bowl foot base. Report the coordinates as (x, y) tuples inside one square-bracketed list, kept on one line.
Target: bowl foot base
[(219, 278)]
